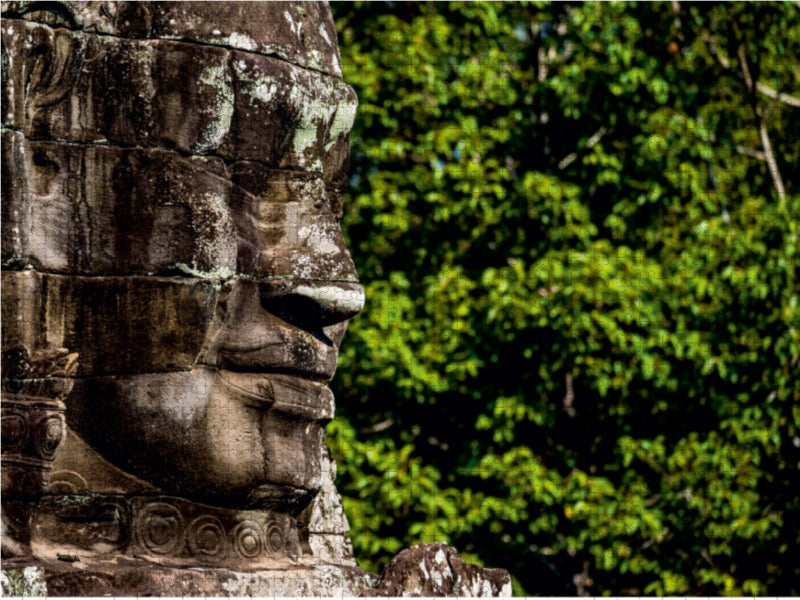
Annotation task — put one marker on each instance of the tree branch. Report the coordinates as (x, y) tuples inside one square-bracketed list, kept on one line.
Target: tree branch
[(787, 99), (676, 9), (378, 427), (751, 152), (772, 164), (590, 143)]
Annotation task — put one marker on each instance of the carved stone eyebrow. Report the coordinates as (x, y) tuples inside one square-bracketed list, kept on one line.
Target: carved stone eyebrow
[(56, 14), (300, 33), (194, 99)]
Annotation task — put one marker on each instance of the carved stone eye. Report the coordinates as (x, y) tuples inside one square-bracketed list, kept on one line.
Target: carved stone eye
[(55, 14)]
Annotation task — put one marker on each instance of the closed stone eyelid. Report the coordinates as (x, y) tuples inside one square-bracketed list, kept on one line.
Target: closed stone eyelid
[(54, 14)]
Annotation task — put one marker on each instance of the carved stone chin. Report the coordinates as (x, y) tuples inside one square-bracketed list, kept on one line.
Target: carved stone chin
[(172, 180)]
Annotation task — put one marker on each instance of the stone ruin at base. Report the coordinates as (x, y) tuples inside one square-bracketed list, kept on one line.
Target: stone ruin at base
[(175, 287)]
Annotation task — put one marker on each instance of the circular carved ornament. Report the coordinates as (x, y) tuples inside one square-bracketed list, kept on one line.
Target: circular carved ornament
[(67, 482), (160, 528), (206, 538), (48, 436), (14, 432), (112, 523), (274, 537), (247, 539)]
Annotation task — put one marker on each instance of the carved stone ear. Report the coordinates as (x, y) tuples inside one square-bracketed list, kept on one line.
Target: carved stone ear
[(42, 65), (53, 65)]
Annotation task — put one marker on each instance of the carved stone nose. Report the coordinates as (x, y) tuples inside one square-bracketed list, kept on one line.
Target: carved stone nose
[(337, 303), (287, 227), (312, 306)]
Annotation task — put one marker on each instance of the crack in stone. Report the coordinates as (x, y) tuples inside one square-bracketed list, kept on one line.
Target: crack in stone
[(456, 578)]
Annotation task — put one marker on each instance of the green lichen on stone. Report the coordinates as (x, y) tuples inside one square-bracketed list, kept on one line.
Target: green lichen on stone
[(257, 87), (16, 263), (240, 40), (342, 122), (220, 80), (221, 274), (316, 110), (24, 582)]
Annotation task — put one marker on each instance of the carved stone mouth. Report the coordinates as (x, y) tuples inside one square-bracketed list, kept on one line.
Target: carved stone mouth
[(255, 387), (290, 394), (230, 364), (306, 361), (301, 337)]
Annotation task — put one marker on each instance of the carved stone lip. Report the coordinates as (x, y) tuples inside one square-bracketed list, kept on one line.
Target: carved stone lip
[(288, 393), (238, 363), (307, 359), (255, 387)]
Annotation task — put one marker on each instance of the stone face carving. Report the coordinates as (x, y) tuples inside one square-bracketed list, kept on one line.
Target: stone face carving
[(172, 182), (175, 287)]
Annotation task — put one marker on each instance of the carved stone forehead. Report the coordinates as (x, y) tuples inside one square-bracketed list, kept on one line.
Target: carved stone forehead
[(212, 135), (256, 81), (301, 33)]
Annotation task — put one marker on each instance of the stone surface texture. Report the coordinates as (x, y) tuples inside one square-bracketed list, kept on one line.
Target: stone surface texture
[(97, 579), (175, 288), (438, 570)]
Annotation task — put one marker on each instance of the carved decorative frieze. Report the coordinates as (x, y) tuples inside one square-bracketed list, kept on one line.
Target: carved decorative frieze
[(166, 530)]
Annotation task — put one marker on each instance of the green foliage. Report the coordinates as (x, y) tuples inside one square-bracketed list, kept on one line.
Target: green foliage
[(578, 358)]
